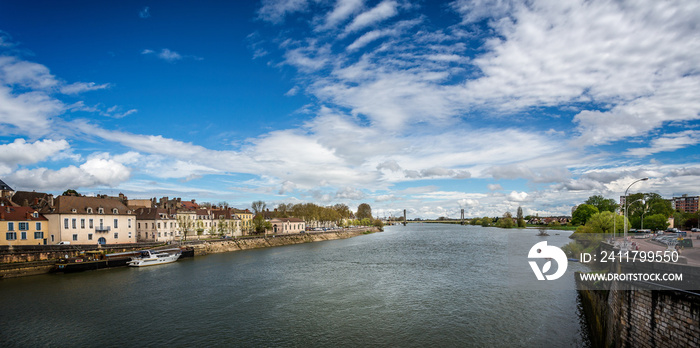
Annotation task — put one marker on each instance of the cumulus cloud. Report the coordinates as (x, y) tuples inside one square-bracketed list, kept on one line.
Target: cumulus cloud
[(518, 196), (19, 152), (93, 173), (668, 142)]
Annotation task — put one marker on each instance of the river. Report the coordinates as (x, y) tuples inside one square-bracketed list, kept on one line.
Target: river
[(414, 286)]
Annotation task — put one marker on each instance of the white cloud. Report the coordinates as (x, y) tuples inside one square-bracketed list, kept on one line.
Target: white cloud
[(275, 10), (342, 10), (384, 10), (669, 142), (80, 87), (518, 196), (19, 152), (494, 187), (94, 172), (169, 55)]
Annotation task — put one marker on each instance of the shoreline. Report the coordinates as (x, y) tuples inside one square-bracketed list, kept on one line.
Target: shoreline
[(201, 247)]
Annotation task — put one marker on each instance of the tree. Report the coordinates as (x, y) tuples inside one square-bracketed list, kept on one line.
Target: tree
[(658, 222), (364, 211), (260, 225), (602, 203), (506, 221), (184, 223), (583, 213), (486, 221), (521, 221), (258, 207), (71, 192)]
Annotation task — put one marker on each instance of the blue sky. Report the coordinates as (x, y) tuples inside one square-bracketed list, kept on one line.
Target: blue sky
[(419, 105)]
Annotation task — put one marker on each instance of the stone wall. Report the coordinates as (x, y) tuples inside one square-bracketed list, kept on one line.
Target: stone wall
[(221, 246), (641, 317)]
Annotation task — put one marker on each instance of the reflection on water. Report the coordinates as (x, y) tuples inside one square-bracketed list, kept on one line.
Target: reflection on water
[(419, 285)]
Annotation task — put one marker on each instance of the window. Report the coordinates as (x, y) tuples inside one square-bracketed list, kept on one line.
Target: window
[(115, 223), (75, 237), (89, 236), (138, 225), (10, 226), (89, 210), (38, 226), (100, 210), (52, 238), (90, 223), (74, 223), (129, 223), (115, 211), (24, 235), (23, 226), (82, 223), (158, 234), (159, 225), (11, 235), (116, 235), (35, 214), (38, 235)]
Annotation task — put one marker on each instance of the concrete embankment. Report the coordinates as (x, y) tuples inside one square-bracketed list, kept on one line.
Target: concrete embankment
[(205, 247)]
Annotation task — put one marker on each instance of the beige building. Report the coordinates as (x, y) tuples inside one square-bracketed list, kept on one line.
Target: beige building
[(226, 223), (287, 225), (22, 226), (90, 220), (156, 225)]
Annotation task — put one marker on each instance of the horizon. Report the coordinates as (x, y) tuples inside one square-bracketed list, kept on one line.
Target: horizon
[(431, 107)]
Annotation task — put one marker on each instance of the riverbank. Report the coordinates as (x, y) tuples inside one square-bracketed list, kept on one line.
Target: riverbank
[(21, 263), (204, 247)]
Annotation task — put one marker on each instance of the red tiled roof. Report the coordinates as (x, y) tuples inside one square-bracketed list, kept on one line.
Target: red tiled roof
[(19, 214)]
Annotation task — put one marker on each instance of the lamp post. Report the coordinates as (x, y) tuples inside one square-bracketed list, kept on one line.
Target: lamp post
[(624, 239)]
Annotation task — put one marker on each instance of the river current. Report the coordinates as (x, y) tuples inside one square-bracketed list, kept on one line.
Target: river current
[(421, 285)]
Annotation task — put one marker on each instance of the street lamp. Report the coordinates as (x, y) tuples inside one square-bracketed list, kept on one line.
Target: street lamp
[(624, 240)]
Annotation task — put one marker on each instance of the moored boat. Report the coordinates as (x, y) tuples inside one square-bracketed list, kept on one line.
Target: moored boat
[(155, 257)]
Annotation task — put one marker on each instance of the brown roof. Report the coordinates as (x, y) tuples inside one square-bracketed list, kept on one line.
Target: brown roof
[(19, 214), (30, 197), (190, 205), (153, 214), (289, 219), (66, 204)]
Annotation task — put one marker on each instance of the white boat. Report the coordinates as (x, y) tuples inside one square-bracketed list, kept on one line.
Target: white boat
[(155, 257)]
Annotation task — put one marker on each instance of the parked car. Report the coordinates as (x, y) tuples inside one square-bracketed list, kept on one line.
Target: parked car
[(64, 243)]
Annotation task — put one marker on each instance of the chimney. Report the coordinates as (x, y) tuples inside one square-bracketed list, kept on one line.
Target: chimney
[(7, 209), (51, 201)]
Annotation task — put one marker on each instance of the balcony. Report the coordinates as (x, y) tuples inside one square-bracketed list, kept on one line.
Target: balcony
[(104, 229)]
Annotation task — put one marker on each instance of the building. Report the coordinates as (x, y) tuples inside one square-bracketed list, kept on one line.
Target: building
[(287, 225), (685, 203), (226, 223), (90, 220), (246, 217), (36, 200), (22, 226), (156, 225), (5, 190)]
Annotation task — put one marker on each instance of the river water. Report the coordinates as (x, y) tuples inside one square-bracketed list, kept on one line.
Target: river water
[(415, 286)]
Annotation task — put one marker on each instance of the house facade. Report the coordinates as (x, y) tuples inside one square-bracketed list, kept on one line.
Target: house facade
[(22, 226), (90, 220), (287, 225), (156, 225), (226, 223)]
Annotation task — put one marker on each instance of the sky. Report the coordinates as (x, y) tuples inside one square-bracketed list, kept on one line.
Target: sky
[(432, 107)]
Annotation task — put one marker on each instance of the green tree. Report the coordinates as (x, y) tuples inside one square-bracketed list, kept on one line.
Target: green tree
[(486, 221), (364, 211), (656, 222), (70, 192), (602, 203), (521, 221), (260, 225), (506, 221), (582, 213)]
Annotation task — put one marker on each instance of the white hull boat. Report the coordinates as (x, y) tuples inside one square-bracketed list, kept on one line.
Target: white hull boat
[(155, 257)]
